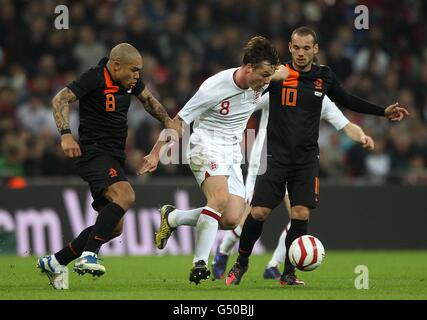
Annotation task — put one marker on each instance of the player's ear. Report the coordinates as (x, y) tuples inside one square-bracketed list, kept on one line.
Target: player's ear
[(116, 65), (290, 46), (316, 48), (249, 67)]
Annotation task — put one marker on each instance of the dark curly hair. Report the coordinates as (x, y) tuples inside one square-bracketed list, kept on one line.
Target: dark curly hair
[(260, 49)]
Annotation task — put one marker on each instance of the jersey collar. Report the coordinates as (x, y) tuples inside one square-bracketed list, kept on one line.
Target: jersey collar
[(103, 64), (313, 66)]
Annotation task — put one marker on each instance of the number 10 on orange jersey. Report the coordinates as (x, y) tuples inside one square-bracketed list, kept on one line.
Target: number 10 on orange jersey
[(289, 97)]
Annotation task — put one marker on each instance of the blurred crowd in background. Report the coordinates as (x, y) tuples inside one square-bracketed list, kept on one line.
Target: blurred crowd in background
[(183, 43)]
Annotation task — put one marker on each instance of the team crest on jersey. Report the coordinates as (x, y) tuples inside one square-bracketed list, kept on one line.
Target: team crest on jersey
[(213, 165), (318, 84), (318, 93)]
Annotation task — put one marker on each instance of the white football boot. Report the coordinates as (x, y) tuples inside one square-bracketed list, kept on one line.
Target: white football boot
[(57, 273)]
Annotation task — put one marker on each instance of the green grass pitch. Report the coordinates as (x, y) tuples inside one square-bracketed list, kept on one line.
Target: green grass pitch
[(392, 275)]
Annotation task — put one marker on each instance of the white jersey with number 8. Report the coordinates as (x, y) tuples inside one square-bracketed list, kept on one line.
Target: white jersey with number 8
[(220, 111)]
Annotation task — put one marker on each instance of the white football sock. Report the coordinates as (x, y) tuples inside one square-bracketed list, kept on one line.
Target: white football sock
[(184, 217), (279, 254), (206, 230), (230, 239)]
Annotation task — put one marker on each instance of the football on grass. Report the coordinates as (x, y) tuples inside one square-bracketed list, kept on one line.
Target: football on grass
[(306, 253)]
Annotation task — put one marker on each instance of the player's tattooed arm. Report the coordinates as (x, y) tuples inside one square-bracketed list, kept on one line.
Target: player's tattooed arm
[(61, 108), (153, 106), (156, 109), (61, 112)]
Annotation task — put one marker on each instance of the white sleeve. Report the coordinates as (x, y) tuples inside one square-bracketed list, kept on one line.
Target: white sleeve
[(332, 114), (263, 102), (198, 104), (255, 157), (257, 147)]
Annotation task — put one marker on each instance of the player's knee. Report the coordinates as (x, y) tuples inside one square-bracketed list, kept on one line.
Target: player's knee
[(126, 198), (129, 199), (300, 213), (229, 223), (259, 214), (122, 194)]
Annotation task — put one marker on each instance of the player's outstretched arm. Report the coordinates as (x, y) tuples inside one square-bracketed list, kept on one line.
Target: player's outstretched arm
[(149, 164), (61, 110), (156, 109), (356, 133), (151, 160), (338, 94), (165, 141)]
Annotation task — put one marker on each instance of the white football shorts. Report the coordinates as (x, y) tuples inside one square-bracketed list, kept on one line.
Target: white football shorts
[(207, 158)]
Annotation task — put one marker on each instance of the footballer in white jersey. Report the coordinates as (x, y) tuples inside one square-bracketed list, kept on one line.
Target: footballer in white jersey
[(220, 110)]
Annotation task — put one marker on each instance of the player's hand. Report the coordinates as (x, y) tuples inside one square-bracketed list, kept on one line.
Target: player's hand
[(175, 124), (395, 113), (149, 164), (70, 146), (281, 73), (367, 143)]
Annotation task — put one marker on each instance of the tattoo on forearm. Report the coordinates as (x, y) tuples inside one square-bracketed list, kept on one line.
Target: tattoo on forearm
[(153, 107), (61, 108)]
